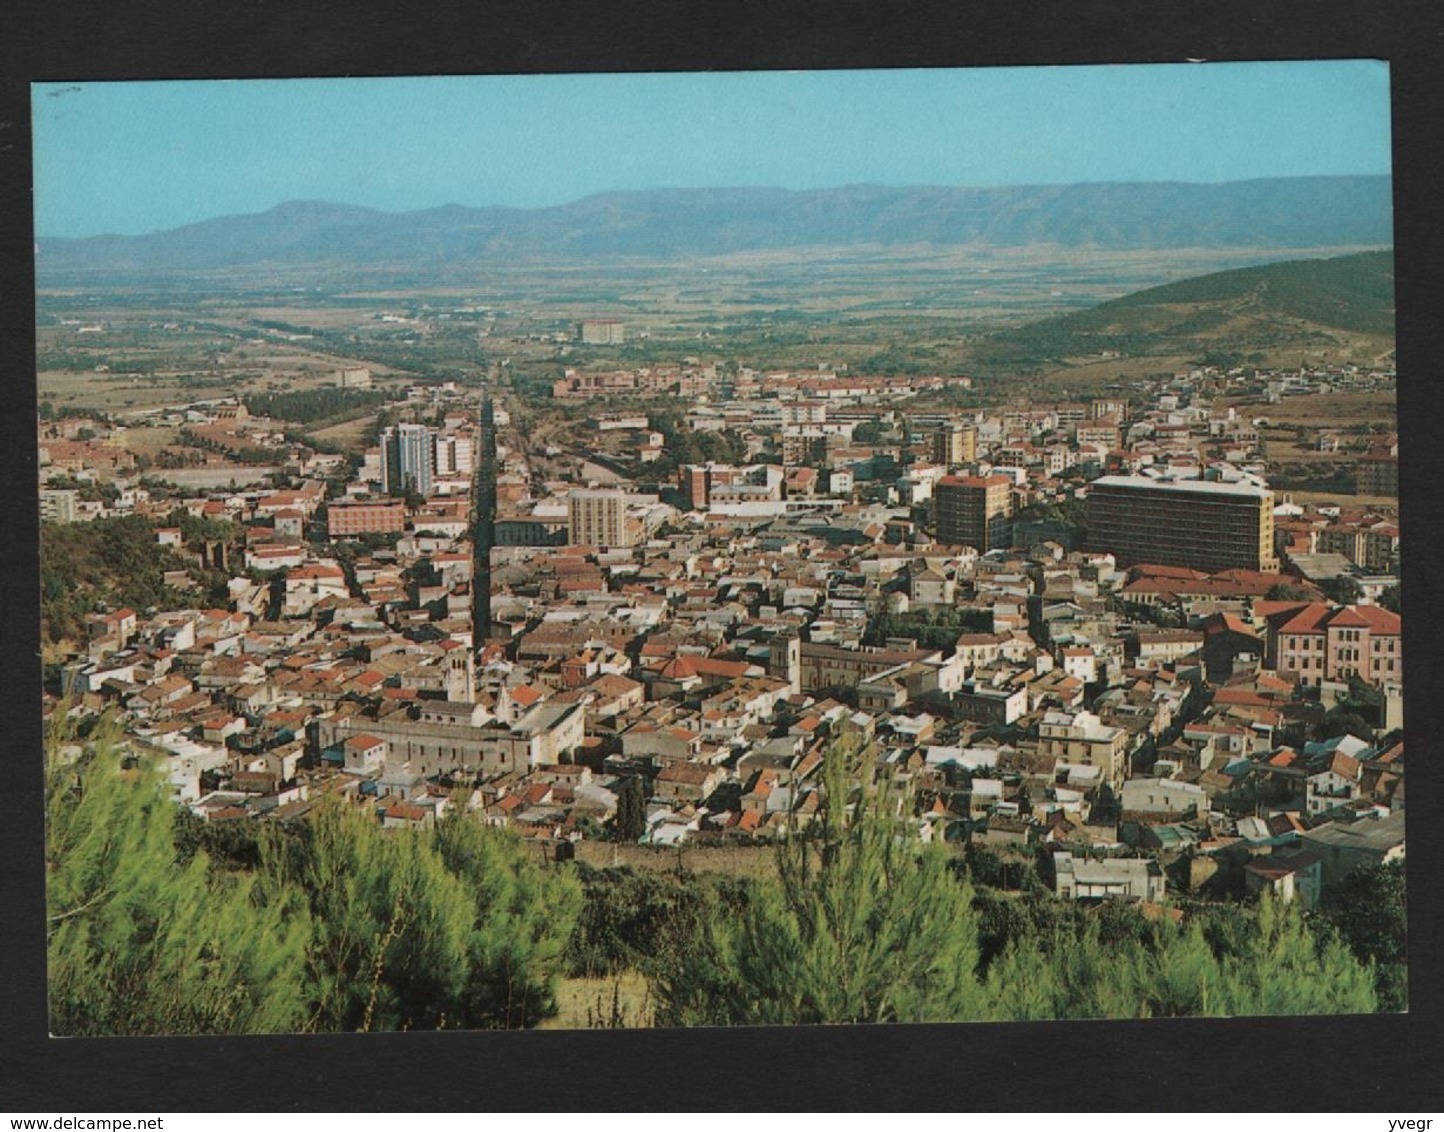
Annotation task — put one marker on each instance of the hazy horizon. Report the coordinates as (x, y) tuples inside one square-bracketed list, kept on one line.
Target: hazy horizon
[(901, 186), (133, 158)]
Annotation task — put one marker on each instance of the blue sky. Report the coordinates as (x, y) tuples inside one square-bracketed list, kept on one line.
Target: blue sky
[(143, 156)]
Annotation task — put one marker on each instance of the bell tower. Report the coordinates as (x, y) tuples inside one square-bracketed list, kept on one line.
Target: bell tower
[(460, 676), (784, 660)]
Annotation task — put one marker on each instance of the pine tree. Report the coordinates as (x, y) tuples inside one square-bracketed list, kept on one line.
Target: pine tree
[(457, 927), (141, 944), (1274, 965), (1368, 910), (864, 924), (388, 949), (523, 918), (1284, 969), (631, 817)]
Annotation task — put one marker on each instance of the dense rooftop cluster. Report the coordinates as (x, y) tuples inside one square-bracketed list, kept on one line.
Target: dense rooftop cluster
[(709, 632)]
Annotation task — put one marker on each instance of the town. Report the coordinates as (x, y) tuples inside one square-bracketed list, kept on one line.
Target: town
[(1099, 638)]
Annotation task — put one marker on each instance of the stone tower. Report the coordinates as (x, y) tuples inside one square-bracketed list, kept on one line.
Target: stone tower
[(460, 676), (784, 660)]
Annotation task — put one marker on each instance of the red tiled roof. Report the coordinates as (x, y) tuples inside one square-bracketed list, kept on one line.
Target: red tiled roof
[(1345, 766), (1318, 617), (679, 668), (1150, 570), (1309, 619), (712, 666), (1242, 696)]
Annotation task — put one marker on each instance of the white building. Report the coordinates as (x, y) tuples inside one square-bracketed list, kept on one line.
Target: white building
[(1127, 878)]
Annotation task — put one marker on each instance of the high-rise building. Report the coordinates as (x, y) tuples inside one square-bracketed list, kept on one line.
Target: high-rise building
[(406, 459), (453, 456), (1199, 524), (955, 444), (1115, 407), (601, 332), (58, 505), (975, 511), (697, 482), (484, 535), (1377, 475), (597, 518)]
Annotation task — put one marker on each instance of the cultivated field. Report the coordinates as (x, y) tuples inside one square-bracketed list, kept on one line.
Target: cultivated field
[(1330, 410), (348, 435)]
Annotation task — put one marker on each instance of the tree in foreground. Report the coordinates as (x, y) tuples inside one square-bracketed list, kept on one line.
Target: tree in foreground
[(141, 944), (1276, 967), (523, 917), (1368, 910), (341, 925), (865, 924), (452, 928)]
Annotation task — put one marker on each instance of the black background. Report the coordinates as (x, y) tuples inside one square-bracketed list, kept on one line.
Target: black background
[(1376, 1063)]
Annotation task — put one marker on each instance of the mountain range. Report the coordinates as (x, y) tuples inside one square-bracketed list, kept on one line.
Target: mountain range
[(1281, 213)]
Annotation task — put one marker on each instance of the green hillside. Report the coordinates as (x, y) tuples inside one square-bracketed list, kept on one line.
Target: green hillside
[(1343, 302)]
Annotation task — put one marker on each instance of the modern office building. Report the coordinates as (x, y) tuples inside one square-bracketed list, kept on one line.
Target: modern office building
[(1199, 524), (597, 518), (406, 459), (975, 511), (955, 444)]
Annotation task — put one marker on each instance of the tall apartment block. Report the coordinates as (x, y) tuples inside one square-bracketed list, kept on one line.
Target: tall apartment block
[(1197, 524), (1377, 475), (453, 454), (58, 505), (406, 459), (602, 332), (698, 480), (597, 518), (955, 444), (975, 511)]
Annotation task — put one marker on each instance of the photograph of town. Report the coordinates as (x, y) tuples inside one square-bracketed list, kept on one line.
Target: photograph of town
[(752, 548)]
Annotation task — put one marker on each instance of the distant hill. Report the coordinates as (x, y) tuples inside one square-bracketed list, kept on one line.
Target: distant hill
[(1272, 307), (1301, 212)]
